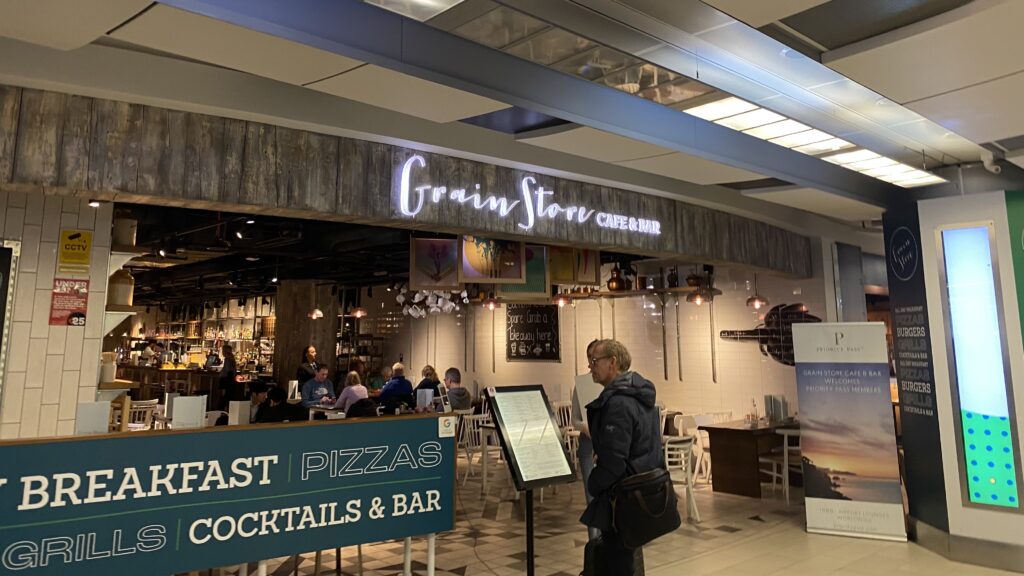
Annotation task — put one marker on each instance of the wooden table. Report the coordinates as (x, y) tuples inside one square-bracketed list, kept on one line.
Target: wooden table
[(735, 447)]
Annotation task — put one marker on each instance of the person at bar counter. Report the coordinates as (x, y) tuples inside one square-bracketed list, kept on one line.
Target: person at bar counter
[(430, 380), (397, 391), (314, 391), (352, 392), (624, 426), (377, 381), (309, 366), (458, 397), (229, 388)]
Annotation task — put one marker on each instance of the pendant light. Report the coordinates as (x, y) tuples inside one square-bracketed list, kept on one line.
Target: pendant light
[(560, 299), (757, 301), (491, 302)]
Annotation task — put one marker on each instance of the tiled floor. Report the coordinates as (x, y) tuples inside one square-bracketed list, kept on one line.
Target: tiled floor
[(737, 536)]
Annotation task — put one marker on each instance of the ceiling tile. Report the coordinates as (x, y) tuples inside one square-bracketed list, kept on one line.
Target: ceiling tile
[(982, 113), (407, 94), (217, 42), (820, 202), (758, 14), (960, 48), (64, 24), (596, 144), (690, 169)]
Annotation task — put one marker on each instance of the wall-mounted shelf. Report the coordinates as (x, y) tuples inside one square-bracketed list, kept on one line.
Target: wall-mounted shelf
[(630, 293), (116, 313)]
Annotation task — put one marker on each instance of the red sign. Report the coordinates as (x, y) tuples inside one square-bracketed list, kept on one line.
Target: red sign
[(70, 302)]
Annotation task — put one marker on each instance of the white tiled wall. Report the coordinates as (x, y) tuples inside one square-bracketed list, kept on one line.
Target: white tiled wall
[(743, 374), (50, 368)]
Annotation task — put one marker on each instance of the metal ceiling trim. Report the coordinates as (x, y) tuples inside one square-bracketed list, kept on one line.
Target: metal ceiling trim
[(373, 35)]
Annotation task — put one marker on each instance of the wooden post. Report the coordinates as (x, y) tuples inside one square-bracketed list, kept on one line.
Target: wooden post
[(296, 330)]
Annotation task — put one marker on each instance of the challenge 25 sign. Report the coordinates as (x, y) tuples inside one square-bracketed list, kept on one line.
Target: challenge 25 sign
[(184, 501)]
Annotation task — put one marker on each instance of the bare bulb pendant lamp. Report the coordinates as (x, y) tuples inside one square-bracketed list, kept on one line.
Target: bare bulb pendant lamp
[(757, 301)]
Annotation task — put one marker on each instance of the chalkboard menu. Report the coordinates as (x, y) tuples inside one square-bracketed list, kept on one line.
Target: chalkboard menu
[(531, 333)]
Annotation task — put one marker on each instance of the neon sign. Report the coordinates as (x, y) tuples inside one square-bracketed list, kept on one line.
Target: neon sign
[(535, 203)]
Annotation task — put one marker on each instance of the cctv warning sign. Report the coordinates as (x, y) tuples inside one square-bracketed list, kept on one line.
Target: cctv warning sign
[(73, 253)]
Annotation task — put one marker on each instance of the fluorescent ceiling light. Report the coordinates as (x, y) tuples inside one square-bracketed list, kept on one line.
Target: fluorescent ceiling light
[(879, 162), (830, 145), (848, 157), (801, 138), (887, 170), (913, 174), (421, 10), (730, 106), (751, 119), (930, 179), (777, 129)]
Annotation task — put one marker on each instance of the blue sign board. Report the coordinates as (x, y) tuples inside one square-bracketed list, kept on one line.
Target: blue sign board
[(182, 501)]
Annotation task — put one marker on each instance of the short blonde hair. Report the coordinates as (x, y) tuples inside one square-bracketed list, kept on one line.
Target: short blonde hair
[(398, 369), (352, 379), (615, 349)]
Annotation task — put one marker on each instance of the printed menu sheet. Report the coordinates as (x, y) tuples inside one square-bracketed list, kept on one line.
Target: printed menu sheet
[(532, 435)]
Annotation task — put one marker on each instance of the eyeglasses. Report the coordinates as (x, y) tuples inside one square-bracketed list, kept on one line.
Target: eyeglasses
[(593, 361)]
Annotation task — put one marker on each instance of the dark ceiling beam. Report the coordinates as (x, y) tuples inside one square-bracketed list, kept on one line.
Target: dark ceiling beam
[(370, 34)]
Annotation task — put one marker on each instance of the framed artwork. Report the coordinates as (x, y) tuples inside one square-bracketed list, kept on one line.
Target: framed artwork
[(538, 285), (588, 267), (562, 264), (491, 261), (433, 264)]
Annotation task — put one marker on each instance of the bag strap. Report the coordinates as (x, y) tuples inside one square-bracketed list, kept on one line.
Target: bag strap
[(643, 503)]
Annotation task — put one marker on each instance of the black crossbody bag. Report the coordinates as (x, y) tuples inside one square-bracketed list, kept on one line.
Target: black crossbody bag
[(644, 506)]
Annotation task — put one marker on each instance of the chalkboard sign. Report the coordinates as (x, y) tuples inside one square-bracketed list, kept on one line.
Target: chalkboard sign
[(531, 333)]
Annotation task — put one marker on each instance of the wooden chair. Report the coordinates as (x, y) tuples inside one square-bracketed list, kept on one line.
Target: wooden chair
[(678, 455), (563, 414), (472, 439), (118, 407)]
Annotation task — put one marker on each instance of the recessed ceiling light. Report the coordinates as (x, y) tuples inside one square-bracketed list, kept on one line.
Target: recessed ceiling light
[(721, 109), (848, 157), (250, 221), (802, 138), (777, 129), (830, 145), (94, 203), (751, 119), (887, 170), (863, 165)]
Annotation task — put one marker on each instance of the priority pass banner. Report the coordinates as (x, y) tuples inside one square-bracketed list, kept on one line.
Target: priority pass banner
[(182, 501), (73, 251)]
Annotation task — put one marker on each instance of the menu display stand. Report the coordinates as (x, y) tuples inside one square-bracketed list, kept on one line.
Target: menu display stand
[(533, 446)]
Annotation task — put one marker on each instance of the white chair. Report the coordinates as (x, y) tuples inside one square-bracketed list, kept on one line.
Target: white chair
[(213, 415), (720, 417), (563, 414), (140, 414), (703, 445), (472, 439), (781, 462), (678, 456)]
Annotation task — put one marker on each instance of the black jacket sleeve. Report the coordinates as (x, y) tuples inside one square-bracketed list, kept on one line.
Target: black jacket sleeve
[(612, 444)]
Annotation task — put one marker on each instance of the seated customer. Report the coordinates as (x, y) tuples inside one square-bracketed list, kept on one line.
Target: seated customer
[(318, 388), (353, 391), (458, 397), (364, 408), (258, 400), (397, 391), (429, 381), (277, 408)]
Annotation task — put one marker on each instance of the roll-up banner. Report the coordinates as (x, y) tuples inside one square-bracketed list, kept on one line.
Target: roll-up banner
[(171, 502), (848, 435)]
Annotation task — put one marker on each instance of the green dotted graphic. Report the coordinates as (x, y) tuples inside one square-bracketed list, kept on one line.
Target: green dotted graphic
[(991, 476)]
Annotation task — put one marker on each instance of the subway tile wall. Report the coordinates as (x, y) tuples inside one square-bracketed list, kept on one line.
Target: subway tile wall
[(744, 375), (50, 368)]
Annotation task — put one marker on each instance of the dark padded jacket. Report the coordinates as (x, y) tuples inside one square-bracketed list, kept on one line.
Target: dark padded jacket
[(624, 423)]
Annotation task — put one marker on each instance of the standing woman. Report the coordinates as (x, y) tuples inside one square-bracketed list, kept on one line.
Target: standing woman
[(226, 382), (309, 366)]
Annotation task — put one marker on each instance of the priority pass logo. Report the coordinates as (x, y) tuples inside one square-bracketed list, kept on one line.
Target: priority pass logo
[(446, 427), (904, 253)]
